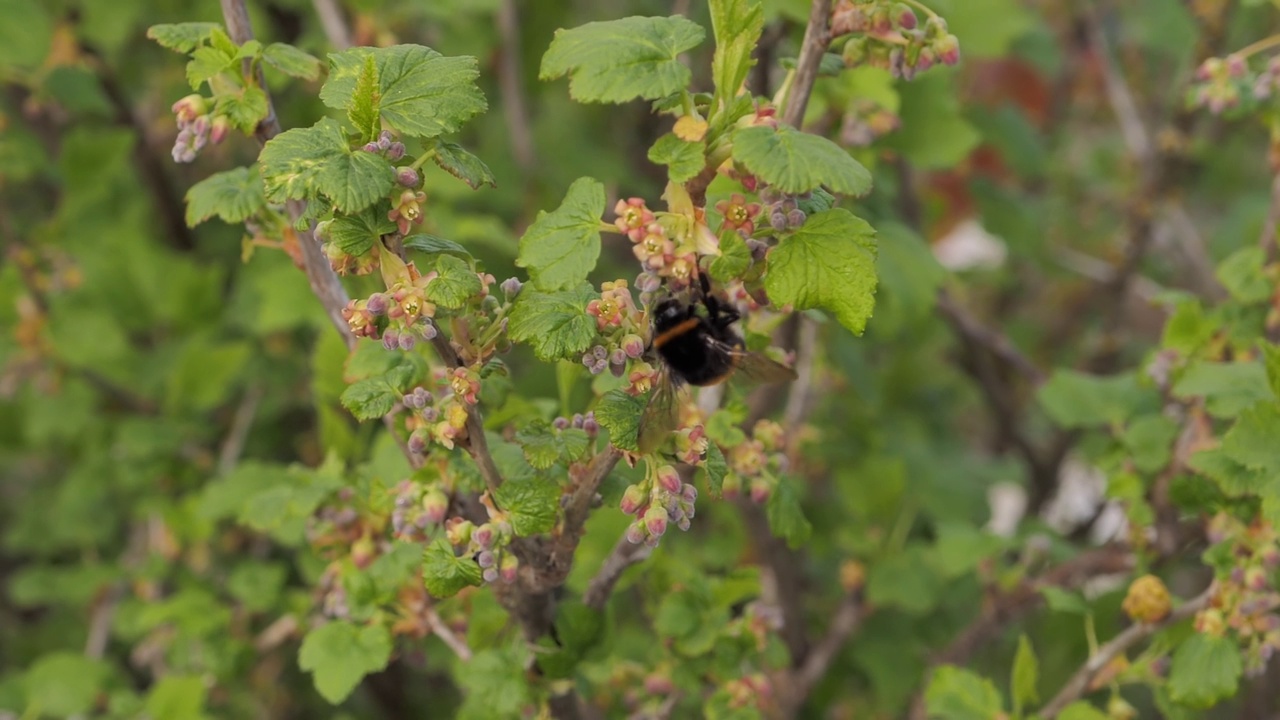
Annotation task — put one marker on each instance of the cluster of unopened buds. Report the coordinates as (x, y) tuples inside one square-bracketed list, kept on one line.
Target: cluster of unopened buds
[(487, 544), (888, 34), (586, 423), (1246, 601), (865, 121), (758, 621), (750, 691), (661, 251), (197, 127), (756, 463), (400, 317), (1221, 84), (661, 498), (417, 508), (441, 419), (621, 325)]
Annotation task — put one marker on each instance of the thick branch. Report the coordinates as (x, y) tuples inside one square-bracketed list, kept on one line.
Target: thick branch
[(817, 36), (514, 108), (334, 23), (624, 555)]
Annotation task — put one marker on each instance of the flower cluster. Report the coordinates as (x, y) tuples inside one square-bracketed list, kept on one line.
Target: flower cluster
[(667, 247), (386, 145), (1246, 602), (661, 498), (783, 210), (755, 463), (417, 508), (582, 422), (750, 691), (887, 34), (487, 543), (621, 325), (441, 417), (399, 317), (198, 125), (739, 215), (1221, 84)]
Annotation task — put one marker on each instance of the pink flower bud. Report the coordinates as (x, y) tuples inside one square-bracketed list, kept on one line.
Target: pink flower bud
[(508, 568), (669, 479), (408, 177), (484, 535), (458, 531), (760, 491), (655, 520), (632, 345), (947, 48), (219, 128), (435, 505), (632, 500)]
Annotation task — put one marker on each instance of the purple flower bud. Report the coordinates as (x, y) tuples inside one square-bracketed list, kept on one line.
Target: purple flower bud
[(669, 479), (397, 522), (778, 221), (655, 520), (632, 500), (635, 533), (377, 304), (484, 535), (396, 151), (647, 282), (428, 330), (684, 523), (689, 493), (219, 128), (407, 341), (370, 147), (632, 345), (485, 559), (590, 425), (906, 18), (577, 420), (384, 139), (408, 177), (435, 505), (511, 287), (560, 423), (430, 414), (390, 339), (795, 218), (600, 352), (618, 357), (491, 575), (418, 441)]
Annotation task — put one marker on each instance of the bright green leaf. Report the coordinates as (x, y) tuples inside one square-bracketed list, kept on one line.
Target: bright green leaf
[(460, 163), (560, 248), (1025, 676), (232, 195), (1205, 669), (683, 159), (63, 684), (357, 234), (177, 697), (1252, 440), (1076, 399), (734, 258), (958, 694), (786, 518), (1243, 276), (432, 245), (713, 469), (1064, 601), (736, 25), (181, 37), (291, 61), (619, 413), (339, 655), (1227, 388), (370, 398), (445, 573), (455, 285), (532, 505), (829, 263), (1232, 477), (797, 162), (555, 324), (303, 162), (1149, 440), (244, 108), (1081, 710), (207, 63), (362, 108), (621, 60)]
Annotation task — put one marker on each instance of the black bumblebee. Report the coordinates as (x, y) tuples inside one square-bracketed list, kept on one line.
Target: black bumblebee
[(697, 345)]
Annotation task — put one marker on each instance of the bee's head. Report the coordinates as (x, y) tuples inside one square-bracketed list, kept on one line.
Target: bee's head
[(669, 312)]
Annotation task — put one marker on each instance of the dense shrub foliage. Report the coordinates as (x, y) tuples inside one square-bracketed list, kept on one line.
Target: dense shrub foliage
[(330, 385)]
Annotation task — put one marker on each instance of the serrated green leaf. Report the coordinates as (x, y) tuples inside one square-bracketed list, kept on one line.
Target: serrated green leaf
[(532, 505), (1252, 440), (460, 163), (734, 258), (357, 234), (1227, 388), (291, 61), (1149, 440), (303, 162), (829, 263), (621, 60), (1271, 363), (797, 162), (245, 108), (1076, 399), (181, 37), (1243, 276), (422, 93), (958, 694), (455, 285), (233, 195), (445, 573), (339, 655), (1025, 676), (786, 519), (1205, 670), (63, 684), (177, 697), (556, 325), (1188, 328), (495, 685), (370, 398), (207, 63), (713, 469), (619, 413), (736, 25), (683, 159), (362, 107), (540, 444), (1232, 477), (560, 248), (432, 245)]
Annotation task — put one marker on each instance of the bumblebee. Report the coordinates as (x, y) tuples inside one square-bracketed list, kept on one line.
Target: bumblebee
[(696, 345)]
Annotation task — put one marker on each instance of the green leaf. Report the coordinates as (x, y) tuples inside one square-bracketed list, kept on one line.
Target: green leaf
[(339, 655), (621, 60), (1234, 478), (1188, 328), (619, 413), (1243, 276), (1271, 362), (1227, 388), (370, 398), (1205, 670), (934, 132), (829, 263), (207, 63), (303, 162), (1064, 601), (181, 37), (455, 285), (786, 519), (905, 580), (555, 324), (1076, 399), (245, 108), (1252, 440), (444, 573), (460, 163), (1081, 710), (736, 25), (908, 270), (797, 162), (683, 159), (233, 195), (961, 547), (1025, 676), (986, 28), (560, 248), (734, 259), (362, 108), (357, 234), (422, 93), (1149, 440), (958, 694), (541, 446), (495, 685), (291, 61), (713, 469), (532, 505), (177, 697), (432, 245), (63, 684)]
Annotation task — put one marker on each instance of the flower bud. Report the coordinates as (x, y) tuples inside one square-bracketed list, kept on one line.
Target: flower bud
[(590, 425), (435, 504), (363, 552), (370, 147), (795, 218), (511, 287), (484, 535), (632, 500), (947, 49), (635, 533), (904, 17), (407, 341), (655, 520), (1147, 600), (390, 339), (1255, 578), (384, 140), (396, 151), (458, 531), (219, 128), (485, 559), (778, 221), (189, 108), (669, 479), (632, 345), (408, 177), (760, 491), (377, 304), (508, 568), (490, 575), (418, 441)]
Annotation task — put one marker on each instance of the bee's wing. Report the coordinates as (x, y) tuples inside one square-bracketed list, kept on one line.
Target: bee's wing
[(754, 366), (661, 415)]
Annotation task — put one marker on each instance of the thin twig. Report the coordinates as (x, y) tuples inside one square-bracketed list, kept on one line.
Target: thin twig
[(843, 624), (817, 36), (579, 506), (514, 108), (801, 395), (446, 635), (1079, 682), (624, 555), (992, 340), (241, 423), (1134, 131), (334, 23)]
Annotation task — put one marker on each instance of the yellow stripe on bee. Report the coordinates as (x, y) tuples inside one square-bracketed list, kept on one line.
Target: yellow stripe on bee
[(670, 333)]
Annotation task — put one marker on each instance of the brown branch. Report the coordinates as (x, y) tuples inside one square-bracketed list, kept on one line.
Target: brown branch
[(241, 423), (447, 636), (624, 555), (817, 36), (514, 108), (993, 341), (334, 23), (1078, 684), (847, 619)]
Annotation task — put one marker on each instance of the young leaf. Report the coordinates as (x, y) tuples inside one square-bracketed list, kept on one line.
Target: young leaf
[(736, 25), (621, 60), (683, 159), (1271, 361), (1026, 673), (63, 684), (1252, 440), (244, 108), (423, 94), (369, 398), (455, 285), (362, 108), (555, 324), (1076, 399), (207, 63), (797, 162), (1233, 478), (540, 444), (1243, 276), (432, 245), (291, 61), (829, 263), (445, 573), (560, 248), (460, 163), (958, 694), (232, 195), (303, 162), (713, 469), (1064, 601), (1227, 388), (786, 519), (619, 413), (532, 505), (356, 234), (734, 259), (177, 697), (1204, 670), (181, 37), (1081, 710), (339, 655)]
